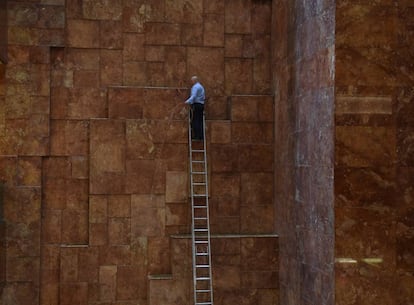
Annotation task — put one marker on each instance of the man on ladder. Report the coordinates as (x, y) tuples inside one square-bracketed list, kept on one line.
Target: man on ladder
[(196, 100)]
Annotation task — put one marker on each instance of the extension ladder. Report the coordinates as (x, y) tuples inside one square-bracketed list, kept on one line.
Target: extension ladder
[(202, 275)]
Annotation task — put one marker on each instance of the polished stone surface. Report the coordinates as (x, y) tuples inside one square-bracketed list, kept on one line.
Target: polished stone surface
[(303, 67), (94, 153), (373, 167)]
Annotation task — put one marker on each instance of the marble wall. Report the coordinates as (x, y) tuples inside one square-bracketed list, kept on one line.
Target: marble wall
[(374, 153), (93, 143), (303, 73)]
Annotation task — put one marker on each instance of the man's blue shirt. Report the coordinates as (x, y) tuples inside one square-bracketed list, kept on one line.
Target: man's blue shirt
[(197, 94)]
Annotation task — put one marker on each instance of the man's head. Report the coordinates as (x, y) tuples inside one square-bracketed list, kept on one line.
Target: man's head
[(194, 79)]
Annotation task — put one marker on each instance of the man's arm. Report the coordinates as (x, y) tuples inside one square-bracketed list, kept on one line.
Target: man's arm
[(190, 100)]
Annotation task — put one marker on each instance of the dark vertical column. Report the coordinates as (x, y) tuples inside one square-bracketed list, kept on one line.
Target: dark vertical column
[(3, 31)]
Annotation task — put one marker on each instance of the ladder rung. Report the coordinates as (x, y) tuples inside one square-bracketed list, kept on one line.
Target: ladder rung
[(202, 278), (198, 173), (198, 161), (202, 266), (200, 230), (201, 242), (199, 183), (201, 254), (200, 206), (204, 303), (199, 195), (197, 150), (200, 218)]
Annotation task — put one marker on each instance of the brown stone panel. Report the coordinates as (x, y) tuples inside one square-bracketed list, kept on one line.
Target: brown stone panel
[(192, 35), (119, 231), (262, 279), (239, 76), (177, 214), (22, 205), (162, 33), (21, 293), (107, 149), (223, 158), (9, 170), (175, 156), (238, 17), (225, 185), (115, 255), (184, 11), (256, 188), (29, 171), (217, 108), (80, 167), (131, 283), (88, 263), (23, 239), (74, 226), (148, 215), (107, 283), (111, 67), (154, 53), (175, 65), (163, 104), (227, 277), (83, 33), (110, 32), (159, 255), (119, 206), (23, 269), (69, 137), (213, 30), (140, 140), (211, 75), (256, 158), (85, 103), (54, 193), (135, 73), (84, 78), (259, 254), (140, 176), (51, 226), (69, 264), (261, 17), (98, 234), (258, 219), (107, 183), (73, 293), (176, 186), (102, 9), (133, 48), (220, 132), (365, 187), (360, 146), (155, 74), (252, 132), (233, 45), (125, 103), (85, 59), (213, 6), (98, 209)]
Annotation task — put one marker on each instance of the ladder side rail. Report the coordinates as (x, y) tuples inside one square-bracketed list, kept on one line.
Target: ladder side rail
[(208, 209), (193, 248)]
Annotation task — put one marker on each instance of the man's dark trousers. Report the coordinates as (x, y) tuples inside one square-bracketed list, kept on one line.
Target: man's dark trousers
[(197, 121)]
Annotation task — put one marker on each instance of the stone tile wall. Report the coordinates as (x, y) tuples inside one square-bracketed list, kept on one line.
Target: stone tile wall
[(303, 73), (94, 139), (374, 156)]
